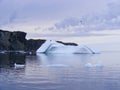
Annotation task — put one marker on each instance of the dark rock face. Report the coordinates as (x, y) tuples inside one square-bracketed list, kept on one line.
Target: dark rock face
[(32, 45), (73, 44), (4, 40), (16, 41), (12, 40)]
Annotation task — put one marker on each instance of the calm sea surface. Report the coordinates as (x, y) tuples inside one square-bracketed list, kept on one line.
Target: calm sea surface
[(60, 71)]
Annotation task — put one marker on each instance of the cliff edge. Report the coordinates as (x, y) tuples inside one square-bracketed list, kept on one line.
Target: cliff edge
[(16, 41)]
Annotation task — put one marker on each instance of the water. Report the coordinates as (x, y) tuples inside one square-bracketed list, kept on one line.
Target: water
[(61, 72)]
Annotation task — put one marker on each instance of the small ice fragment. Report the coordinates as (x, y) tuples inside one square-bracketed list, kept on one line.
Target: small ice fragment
[(89, 65), (17, 66)]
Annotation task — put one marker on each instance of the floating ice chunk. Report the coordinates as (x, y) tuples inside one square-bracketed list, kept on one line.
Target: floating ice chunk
[(99, 65), (55, 47), (18, 66), (90, 65), (2, 52)]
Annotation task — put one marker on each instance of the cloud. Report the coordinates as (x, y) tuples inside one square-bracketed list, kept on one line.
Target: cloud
[(12, 17), (71, 15), (8, 19), (114, 9), (44, 10), (69, 22), (97, 21)]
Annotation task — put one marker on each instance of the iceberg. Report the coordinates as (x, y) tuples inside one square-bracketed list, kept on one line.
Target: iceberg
[(55, 47)]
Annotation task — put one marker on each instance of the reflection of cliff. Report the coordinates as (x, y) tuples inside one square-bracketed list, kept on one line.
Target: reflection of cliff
[(9, 59)]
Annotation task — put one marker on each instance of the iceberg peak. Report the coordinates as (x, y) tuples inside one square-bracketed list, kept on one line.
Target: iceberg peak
[(51, 46)]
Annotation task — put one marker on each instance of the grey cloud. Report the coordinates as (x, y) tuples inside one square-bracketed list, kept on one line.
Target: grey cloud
[(44, 10), (107, 20), (49, 10), (67, 23), (12, 17)]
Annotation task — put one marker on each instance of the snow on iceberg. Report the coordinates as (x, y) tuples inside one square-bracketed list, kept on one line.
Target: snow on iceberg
[(54, 47)]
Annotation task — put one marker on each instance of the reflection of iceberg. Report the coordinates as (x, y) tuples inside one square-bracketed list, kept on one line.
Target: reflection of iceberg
[(9, 59), (55, 47), (55, 65), (90, 65)]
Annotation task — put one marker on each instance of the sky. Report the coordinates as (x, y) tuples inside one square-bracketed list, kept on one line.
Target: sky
[(59, 16), (48, 10)]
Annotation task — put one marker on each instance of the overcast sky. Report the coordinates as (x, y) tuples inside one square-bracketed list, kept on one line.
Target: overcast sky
[(50, 9), (44, 11)]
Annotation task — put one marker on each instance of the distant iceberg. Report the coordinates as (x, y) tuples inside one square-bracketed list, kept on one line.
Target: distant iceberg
[(55, 47)]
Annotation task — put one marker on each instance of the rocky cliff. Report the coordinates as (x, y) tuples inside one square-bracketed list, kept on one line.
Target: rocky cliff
[(12, 40), (32, 45), (16, 41)]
